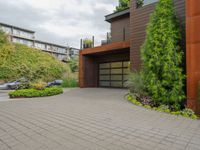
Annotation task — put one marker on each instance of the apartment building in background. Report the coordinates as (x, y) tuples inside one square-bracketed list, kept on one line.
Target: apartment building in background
[(27, 37)]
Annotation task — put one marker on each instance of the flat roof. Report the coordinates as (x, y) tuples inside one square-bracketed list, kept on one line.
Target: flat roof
[(117, 14), (8, 25)]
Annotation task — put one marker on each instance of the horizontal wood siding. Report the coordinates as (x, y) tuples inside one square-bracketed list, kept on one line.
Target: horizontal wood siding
[(117, 29), (139, 19)]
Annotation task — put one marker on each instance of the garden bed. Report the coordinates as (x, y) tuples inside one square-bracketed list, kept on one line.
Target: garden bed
[(30, 93), (187, 113)]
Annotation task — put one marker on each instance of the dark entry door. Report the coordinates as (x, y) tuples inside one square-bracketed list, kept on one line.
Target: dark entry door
[(113, 74)]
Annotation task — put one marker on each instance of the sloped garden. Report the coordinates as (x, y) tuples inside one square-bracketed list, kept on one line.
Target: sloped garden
[(30, 71)]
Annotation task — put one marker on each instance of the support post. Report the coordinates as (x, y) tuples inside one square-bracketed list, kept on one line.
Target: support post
[(92, 41)]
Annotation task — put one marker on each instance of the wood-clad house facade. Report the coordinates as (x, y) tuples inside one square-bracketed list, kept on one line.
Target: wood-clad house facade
[(106, 65)]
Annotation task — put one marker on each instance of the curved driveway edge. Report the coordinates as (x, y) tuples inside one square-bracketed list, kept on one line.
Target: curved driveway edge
[(92, 119)]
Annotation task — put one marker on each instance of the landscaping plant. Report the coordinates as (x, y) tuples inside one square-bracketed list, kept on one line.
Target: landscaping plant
[(39, 85), (87, 43), (69, 82), (162, 57), (187, 113), (30, 93), (135, 83)]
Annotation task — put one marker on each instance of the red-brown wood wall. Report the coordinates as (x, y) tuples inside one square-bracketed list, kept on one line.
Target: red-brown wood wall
[(193, 52)]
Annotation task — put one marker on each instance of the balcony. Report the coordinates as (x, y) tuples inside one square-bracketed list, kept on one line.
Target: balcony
[(109, 39)]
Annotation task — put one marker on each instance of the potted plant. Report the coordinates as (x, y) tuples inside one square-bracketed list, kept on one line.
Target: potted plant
[(87, 43)]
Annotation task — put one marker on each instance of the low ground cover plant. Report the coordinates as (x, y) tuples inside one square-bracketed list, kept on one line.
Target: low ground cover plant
[(30, 93), (188, 113)]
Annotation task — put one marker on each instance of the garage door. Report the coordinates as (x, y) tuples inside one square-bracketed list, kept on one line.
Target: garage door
[(113, 74)]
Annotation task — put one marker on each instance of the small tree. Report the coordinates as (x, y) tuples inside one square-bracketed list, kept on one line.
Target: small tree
[(123, 4), (140, 3), (162, 56)]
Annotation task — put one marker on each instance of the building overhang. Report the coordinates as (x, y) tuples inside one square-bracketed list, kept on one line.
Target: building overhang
[(109, 48), (117, 15)]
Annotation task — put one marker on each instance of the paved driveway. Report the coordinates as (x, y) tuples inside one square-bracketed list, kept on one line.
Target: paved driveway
[(92, 119), (4, 95)]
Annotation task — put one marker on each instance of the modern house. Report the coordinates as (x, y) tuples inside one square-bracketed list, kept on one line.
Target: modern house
[(107, 65), (27, 37)]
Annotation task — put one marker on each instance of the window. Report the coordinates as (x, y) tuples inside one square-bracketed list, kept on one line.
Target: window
[(61, 50), (16, 40), (49, 47), (18, 32), (23, 41), (6, 29), (40, 45), (141, 3)]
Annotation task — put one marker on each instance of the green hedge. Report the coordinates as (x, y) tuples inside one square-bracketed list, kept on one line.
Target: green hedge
[(29, 93)]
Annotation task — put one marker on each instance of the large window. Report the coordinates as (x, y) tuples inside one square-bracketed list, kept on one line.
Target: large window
[(18, 32), (61, 50), (23, 41), (141, 3)]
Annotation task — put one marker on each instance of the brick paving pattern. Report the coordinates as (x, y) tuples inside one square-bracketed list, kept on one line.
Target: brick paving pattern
[(92, 119)]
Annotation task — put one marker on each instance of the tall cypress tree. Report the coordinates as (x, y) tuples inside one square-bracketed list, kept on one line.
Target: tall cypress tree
[(162, 56)]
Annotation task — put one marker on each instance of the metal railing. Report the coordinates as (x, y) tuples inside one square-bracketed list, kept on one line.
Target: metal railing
[(89, 43)]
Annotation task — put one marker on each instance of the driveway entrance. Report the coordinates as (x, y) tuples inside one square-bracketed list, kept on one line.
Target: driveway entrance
[(92, 119)]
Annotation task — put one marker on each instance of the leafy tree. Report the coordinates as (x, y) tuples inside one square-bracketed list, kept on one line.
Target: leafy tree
[(162, 56), (140, 3), (123, 4)]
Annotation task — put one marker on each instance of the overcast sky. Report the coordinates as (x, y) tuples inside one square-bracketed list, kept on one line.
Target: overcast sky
[(63, 22)]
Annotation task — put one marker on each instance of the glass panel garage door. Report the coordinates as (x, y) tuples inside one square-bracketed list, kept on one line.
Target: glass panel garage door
[(113, 74)]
